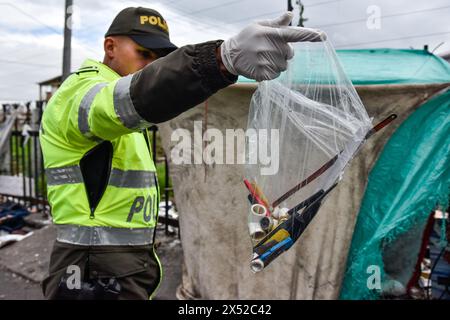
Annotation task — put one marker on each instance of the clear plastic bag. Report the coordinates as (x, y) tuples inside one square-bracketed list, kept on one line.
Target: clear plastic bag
[(312, 121)]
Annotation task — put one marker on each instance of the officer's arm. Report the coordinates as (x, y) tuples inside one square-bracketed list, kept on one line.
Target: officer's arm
[(159, 92), (178, 82), (189, 75)]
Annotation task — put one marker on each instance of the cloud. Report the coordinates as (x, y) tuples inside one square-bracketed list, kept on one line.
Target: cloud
[(31, 36), (31, 31)]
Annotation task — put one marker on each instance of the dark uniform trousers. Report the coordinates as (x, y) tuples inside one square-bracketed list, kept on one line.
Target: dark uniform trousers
[(135, 268)]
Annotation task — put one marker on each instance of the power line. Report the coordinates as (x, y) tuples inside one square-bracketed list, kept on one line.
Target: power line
[(282, 10), (31, 16), (23, 61), (19, 84), (394, 39), (173, 1), (40, 22), (320, 3), (28, 63), (215, 7), (177, 18), (188, 20), (252, 17), (257, 16), (381, 17), (19, 70), (182, 10)]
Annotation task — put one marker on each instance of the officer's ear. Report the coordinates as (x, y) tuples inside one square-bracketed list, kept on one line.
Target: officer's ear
[(109, 46)]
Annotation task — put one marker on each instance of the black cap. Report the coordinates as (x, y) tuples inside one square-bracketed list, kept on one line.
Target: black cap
[(145, 26)]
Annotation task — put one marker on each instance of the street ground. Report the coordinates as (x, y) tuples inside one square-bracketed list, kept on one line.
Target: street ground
[(24, 264)]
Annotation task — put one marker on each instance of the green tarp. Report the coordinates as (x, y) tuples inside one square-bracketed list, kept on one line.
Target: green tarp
[(389, 66), (410, 178)]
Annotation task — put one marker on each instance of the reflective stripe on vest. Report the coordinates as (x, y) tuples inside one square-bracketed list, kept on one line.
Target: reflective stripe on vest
[(118, 178), (83, 112), (103, 236), (132, 178), (63, 175), (124, 107)]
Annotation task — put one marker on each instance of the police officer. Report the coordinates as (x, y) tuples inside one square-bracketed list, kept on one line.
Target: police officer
[(101, 179)]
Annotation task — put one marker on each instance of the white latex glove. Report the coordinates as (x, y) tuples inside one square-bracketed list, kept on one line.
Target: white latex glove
[(261, 50)]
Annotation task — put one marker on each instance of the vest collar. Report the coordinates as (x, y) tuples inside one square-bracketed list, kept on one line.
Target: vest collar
[(104, 71)]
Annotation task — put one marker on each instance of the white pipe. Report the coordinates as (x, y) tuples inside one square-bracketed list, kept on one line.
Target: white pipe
[(257, 213)]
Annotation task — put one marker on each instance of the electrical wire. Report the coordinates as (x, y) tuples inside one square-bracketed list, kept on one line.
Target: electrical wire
[(40, 22), (393, 39), (31, 17), (216, 7), (28, 63), (282, 10), (235, 21), (381, 17)]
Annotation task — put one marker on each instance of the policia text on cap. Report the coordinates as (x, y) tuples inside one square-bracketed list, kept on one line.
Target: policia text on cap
[(101, 179)]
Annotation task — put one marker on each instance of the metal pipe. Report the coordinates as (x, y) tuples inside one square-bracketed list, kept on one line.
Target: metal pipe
[(257, 213)]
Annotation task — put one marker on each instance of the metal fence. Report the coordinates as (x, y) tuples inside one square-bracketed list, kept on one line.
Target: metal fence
[(23, 179)]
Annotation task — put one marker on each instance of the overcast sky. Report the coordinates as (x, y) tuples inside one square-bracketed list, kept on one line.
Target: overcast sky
[(31, 31)]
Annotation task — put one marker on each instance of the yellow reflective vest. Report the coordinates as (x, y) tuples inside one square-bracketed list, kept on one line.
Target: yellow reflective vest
[(98, 164)]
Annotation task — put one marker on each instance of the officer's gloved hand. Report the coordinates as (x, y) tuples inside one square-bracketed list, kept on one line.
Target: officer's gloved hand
[(261, 50)]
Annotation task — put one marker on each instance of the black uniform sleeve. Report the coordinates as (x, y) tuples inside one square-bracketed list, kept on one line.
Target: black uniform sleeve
[(178, 82)]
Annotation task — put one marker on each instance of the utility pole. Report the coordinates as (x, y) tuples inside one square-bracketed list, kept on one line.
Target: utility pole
[(290, 8), (289, 5), (67, 39), (301, 20)]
